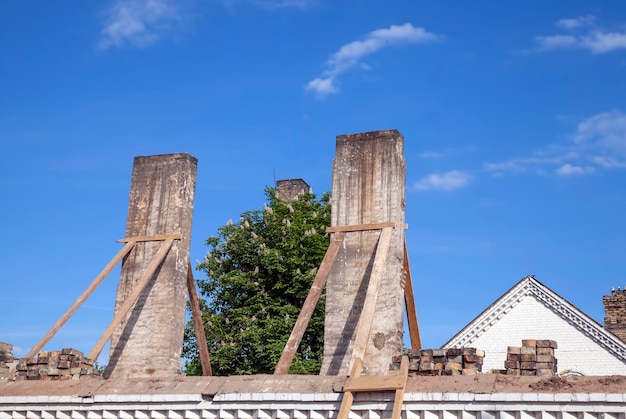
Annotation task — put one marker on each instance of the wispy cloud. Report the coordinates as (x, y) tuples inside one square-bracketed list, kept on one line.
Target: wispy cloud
[(351, 54), (577, 22), (273, 4), (596, 42), (571, 170), (137, 23), (542, 158), (606, 130), (286, 4), (19, 352), (449, 181), (431, 155), (446, 152), (599, 142), (609, 162), (593, 39)]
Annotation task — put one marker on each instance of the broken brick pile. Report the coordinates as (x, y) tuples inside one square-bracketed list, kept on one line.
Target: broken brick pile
[(534, 357), (67, 364), (6, 357), (452, 361)]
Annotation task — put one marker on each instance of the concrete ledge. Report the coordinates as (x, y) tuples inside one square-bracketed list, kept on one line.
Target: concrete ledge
[(274, 397)]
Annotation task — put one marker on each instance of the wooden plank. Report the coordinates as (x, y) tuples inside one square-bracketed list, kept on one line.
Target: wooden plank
[(156, 237), (129, 302), (369, 305), (359, 227), (409, 301), (309, 304), (81, 299), (374, 383), (399, 397), (198, 325), (348, 396)]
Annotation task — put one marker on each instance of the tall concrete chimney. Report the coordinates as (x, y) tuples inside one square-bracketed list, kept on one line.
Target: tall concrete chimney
[(148, 343), (615, 313), (368, 187)]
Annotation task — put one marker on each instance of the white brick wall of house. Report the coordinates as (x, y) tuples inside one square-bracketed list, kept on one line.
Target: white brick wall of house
[(530, 319)]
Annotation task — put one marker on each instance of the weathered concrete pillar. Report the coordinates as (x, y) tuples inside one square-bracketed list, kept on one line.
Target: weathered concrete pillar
[(149, 341), (369, 178)]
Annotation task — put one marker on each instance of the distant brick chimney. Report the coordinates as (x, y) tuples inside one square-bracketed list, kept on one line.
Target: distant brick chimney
[(615, 313), (289, 189)]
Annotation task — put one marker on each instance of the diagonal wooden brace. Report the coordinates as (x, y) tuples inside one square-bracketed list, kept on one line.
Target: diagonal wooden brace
[(198, 325), (81, 299), (364, 325), (309, 305), (159, 257)]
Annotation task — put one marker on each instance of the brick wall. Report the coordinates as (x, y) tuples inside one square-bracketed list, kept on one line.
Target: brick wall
[(615, 313), (66, 364), (289, 189), (6, 357), (534, 357), (452, 361)]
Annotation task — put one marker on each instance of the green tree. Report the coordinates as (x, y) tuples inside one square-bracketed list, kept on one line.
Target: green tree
[(258, 274)]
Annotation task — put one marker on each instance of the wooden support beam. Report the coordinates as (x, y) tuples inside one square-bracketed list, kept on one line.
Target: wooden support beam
[(364, 325), (309, 305), (81, 299), (375, 383), (360, 227), (409, 300), (348, 396), (156, 237), (198, 324), (129, 302), (399, 397), (393, 381)]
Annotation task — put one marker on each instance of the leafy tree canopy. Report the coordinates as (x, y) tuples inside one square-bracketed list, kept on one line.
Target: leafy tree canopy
[(258, 274)]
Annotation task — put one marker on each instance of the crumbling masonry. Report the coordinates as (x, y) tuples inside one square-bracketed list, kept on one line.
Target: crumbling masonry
[(368, 187), (149, 342), (615, 313)]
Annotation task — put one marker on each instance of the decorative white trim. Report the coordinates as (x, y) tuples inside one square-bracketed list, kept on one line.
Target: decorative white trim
[(320, 406), (530, 286)]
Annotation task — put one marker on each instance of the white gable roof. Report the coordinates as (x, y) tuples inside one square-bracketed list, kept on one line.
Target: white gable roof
[(530, 310)]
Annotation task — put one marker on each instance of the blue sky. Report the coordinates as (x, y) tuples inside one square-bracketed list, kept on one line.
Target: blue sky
[(513, 113)]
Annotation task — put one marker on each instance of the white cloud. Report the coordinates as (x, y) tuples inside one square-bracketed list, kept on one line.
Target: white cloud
[(596, 41), (575, 23), (322, 86), (285, 4), (553, 156), (546, 43), (351, 53), (273, 4), (570, 170), (431, 155), (606, 130), (602, 42), (448, 181), (599, 142), (19, 352), (609, 162), (137, 23)]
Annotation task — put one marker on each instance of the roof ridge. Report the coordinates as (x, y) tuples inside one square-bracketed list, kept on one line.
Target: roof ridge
[(529, 285)]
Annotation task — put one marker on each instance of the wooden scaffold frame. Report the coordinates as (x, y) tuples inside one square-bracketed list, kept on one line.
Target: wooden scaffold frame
[(129, 302), (394, 380)]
